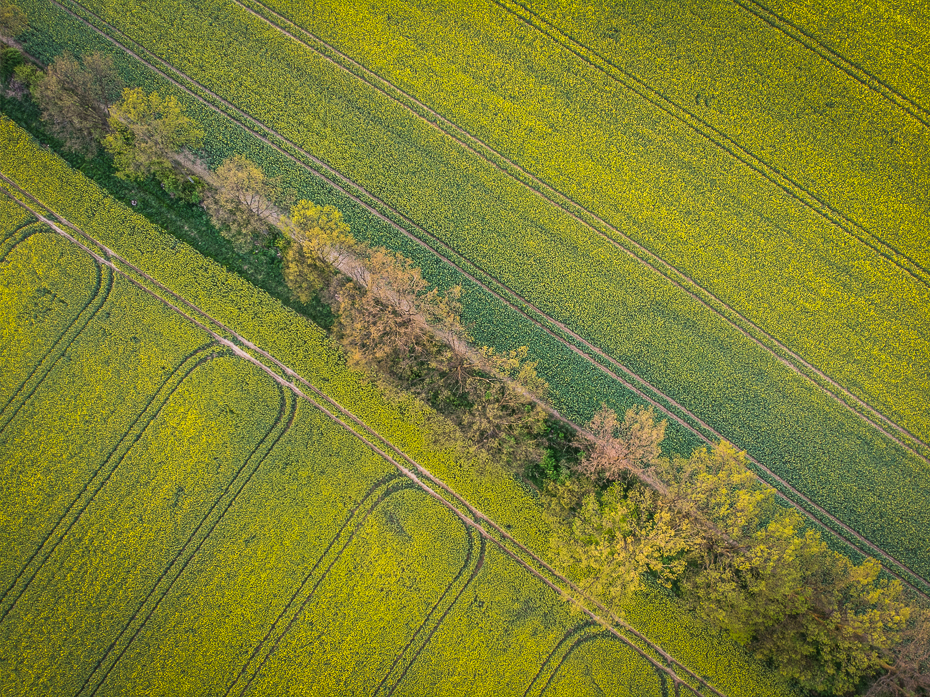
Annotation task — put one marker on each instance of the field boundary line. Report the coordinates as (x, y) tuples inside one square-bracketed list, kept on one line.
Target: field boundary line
[(720, 139), (101, 475), (185, 554), (403, 658), (837, 60), (626, 244), (813, 511), (369, 441), (98, 298)]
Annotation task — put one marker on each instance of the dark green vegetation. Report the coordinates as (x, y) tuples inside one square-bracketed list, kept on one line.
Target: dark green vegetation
[(736, 388)]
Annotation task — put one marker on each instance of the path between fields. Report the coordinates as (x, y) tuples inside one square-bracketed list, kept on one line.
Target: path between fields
[(608, 624), (852, 534)]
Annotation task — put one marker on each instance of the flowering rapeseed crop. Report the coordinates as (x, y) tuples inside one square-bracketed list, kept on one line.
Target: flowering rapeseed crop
[(226, 527), (633, 314)]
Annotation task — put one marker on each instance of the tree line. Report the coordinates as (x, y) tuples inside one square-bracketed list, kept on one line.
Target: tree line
[(703, 527)]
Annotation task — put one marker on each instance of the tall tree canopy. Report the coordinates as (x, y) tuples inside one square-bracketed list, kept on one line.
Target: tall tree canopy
[(75, 99), (150, 133)]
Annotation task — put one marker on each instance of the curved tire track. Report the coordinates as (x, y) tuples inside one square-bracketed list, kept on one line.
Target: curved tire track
[(288, 406), (479, 564), (16, 237), (100, 476), (103, 285), (580, 641), (466, 563), (368, 436), (306, 590), (582, 629), (813, 511)]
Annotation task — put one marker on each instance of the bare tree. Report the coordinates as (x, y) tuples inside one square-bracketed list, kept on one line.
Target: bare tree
[(621, 448), (909, 673)]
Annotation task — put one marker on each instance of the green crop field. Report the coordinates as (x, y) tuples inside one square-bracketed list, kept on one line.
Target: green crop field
[(200, 498), (656, 222)]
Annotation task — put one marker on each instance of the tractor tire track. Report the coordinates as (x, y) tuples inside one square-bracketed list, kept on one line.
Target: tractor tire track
[(103, 286), (16, 237), (368, 436), (837, 60), (379, 484), (294, 609), (717, 137), (580, 642), (288, 405), (582, 629), (100, 476), (585, 217), (813, 511), (479, 564), (466, 564)]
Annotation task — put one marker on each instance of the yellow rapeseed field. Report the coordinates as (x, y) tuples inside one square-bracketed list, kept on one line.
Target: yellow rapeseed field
[(180, 521)]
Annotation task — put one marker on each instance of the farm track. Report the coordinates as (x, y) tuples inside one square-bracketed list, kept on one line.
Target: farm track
[(305, 592), (404, 659), (718, 138), (646, 649), (813, 511), (55, 352), (591, 221), (836, 59), (193, 544), (101, 475), (579, 629), (378, 487)]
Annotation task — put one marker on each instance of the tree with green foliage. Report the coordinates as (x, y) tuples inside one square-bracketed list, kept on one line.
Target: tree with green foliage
[(774, 585), (318, 242), (151, 136), (75, 98), (13, 21), (619, 536), (10, 59), (241, 201)]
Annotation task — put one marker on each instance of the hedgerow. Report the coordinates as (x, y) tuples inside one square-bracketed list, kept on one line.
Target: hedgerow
[(743, 392), (305, 349)]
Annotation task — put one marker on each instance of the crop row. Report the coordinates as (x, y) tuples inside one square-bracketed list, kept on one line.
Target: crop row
[(625, 155), (747, 396), (303, 347), (114, 553), (889, 41)]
